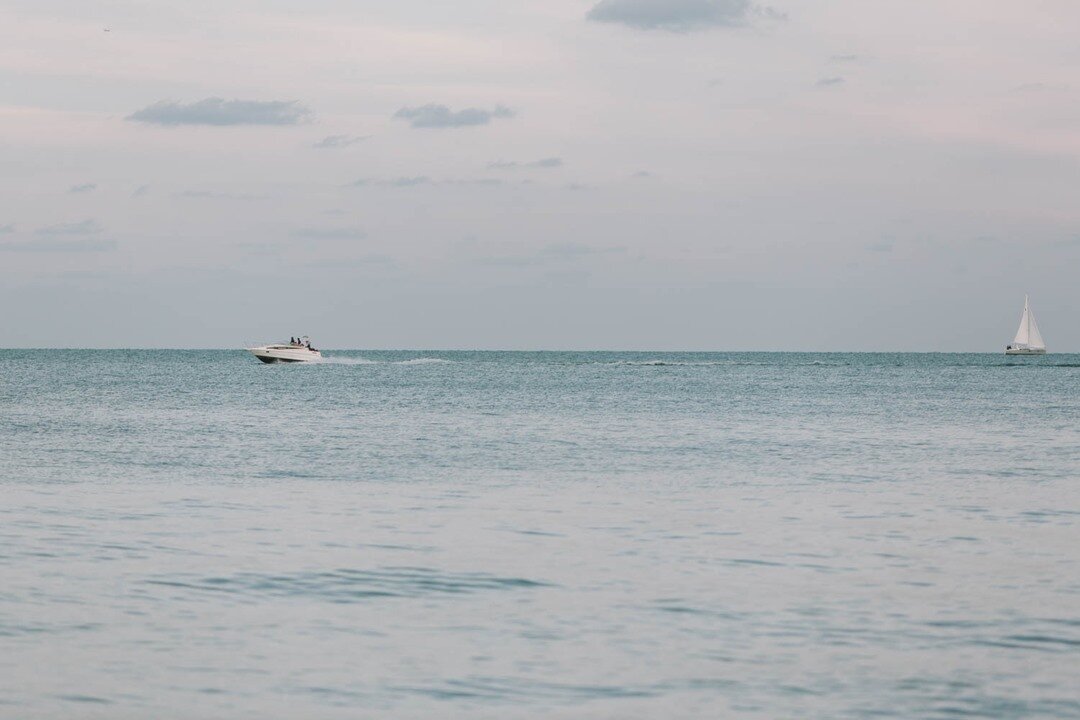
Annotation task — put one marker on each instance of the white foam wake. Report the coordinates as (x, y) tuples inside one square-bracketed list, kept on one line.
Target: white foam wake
[(338, 360), (347, 361)]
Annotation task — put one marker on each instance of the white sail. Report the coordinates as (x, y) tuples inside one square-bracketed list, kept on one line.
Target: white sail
[(1035, 339), (1022, 333)]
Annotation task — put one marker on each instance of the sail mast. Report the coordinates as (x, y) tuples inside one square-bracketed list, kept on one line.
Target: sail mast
[(1035, 339), (1027, 318)]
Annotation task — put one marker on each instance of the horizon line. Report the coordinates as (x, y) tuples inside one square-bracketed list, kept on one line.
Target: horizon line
[(534, 350)]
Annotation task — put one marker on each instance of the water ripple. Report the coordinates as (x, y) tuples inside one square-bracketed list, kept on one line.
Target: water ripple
[(347, 584)]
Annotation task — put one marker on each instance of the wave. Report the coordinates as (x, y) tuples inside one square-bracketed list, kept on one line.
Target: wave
[(423, 361), (1022, 364), (665, 363), (716, 363), (345, 585), (332, 360)]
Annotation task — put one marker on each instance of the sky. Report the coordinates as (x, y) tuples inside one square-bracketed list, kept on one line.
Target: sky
[(567, 174)]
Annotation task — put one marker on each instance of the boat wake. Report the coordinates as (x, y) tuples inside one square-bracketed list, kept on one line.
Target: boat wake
[(347, 361), (365, 361), (423, 361)]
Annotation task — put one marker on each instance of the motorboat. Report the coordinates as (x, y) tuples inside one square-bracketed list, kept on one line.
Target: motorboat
[(1028, 340), (295, 351)]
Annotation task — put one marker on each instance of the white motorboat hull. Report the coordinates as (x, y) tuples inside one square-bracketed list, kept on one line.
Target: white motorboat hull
[(285, 354)]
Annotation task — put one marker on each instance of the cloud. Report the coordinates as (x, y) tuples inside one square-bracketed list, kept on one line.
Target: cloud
[(410, 181), (400, 182), (7, 229), (482, 182), (573, 250), (60, 245), (339, 233), (551, 162), (885, 246), (356, 262), (507, 260), (553, 253), (673, 15), (844, 58), (339, 141), (84, 188), (1038, 87), (83, 227), (829, 82), (140, 191), (440, 116), (262, 248), (217, 111), (420, 180), (212, 195)]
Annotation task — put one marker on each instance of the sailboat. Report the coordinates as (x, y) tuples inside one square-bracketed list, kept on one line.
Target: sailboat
[(1028, 340)]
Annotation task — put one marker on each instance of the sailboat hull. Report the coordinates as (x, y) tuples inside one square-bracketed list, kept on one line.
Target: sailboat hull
[(1025, 351)]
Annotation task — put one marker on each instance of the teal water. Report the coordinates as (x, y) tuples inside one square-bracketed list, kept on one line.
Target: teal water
[(193, 534)]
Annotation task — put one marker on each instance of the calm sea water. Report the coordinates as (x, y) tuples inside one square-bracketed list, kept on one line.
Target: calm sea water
[(191, 534)]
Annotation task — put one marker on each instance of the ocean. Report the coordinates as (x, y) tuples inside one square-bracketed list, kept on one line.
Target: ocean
[(192, 534)]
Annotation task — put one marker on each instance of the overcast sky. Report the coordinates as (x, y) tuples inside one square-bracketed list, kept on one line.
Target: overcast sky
[(653, 174)]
